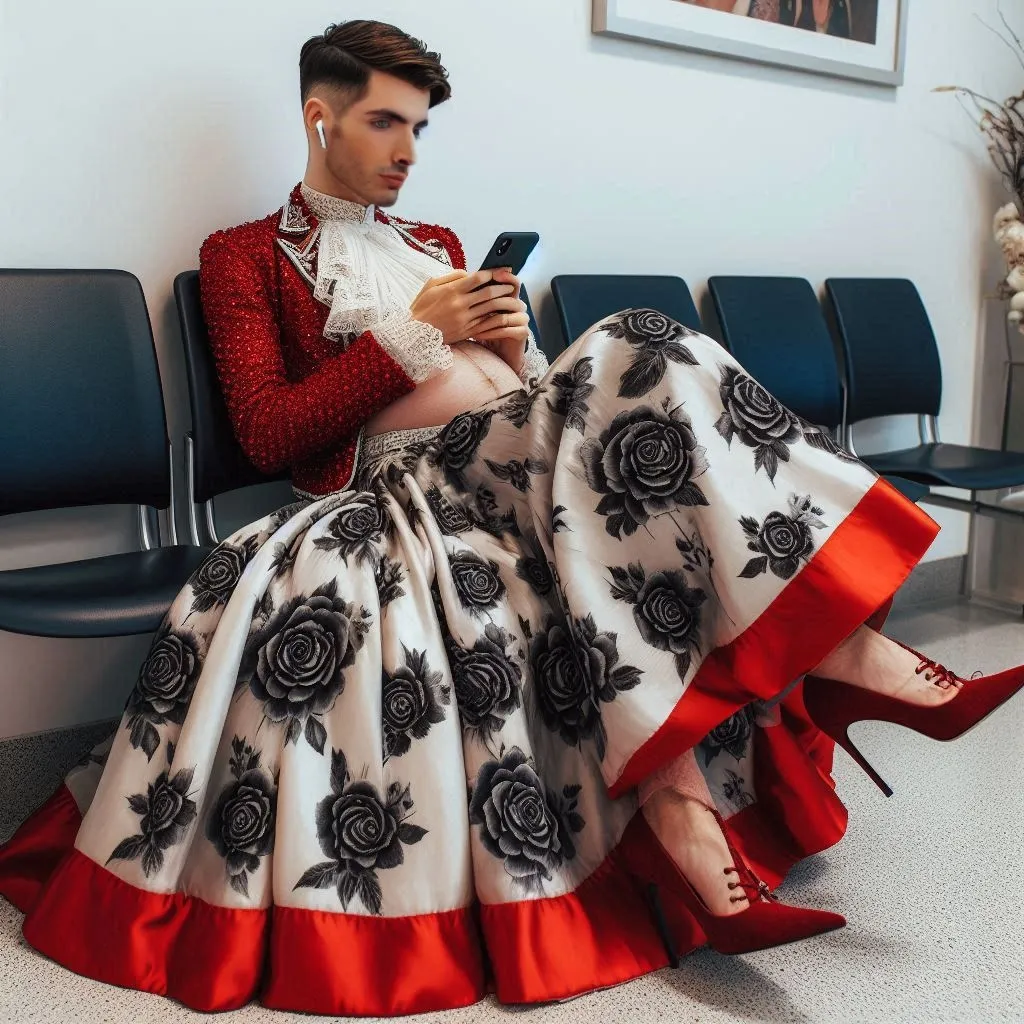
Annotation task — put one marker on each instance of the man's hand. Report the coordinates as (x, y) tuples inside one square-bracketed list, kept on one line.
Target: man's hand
[(452, 305), (506, 332)]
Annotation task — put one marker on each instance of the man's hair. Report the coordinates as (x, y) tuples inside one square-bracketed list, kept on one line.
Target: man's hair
[(344, 56)]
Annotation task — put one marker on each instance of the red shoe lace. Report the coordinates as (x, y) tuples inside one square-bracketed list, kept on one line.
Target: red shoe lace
[(938, 674), (759, 887)]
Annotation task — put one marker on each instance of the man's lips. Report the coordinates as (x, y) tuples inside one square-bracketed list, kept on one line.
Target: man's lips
[(394, 180)]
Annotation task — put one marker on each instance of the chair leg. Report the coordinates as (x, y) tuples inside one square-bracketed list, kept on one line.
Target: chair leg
[(148, 523), (967, 578), (211, 522)]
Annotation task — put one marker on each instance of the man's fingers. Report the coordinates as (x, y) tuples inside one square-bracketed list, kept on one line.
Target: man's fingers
[(500, 304), (440, 282), (501, 277), (475, 280), (504, 275), (502, 334), (485, 326), (455, 275), (504, 318)]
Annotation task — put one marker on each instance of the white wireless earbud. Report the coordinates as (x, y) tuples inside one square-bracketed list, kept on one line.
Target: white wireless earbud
[(320, 132)]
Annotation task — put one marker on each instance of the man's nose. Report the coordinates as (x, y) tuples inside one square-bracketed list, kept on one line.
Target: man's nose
[(405, 155)]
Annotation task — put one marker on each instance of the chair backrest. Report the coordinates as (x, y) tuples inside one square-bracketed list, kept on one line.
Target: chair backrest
[(892, 359), (584, 299), (775, 327), (220, 463), (82, 417)]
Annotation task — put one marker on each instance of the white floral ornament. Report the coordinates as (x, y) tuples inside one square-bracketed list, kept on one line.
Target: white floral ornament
[(1009, 233)]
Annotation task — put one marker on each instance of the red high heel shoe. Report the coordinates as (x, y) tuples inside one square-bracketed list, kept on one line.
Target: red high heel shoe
[(766, 922), (834, 706)]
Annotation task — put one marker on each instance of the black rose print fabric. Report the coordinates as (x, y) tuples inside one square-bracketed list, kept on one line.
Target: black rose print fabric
[(412, 699), (242, 823), (528, 828), (784, 540), (164, 688), (644, 463), (420, 692), (362, 833), (165, 812), (295, 662)]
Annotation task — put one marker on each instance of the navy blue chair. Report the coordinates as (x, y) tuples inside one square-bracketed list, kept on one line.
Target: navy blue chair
[(584, 299), (892, 368), (82, 422), (775, 327), (214, 461)]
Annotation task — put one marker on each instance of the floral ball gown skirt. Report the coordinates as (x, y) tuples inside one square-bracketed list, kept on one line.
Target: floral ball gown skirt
[(384, 746)]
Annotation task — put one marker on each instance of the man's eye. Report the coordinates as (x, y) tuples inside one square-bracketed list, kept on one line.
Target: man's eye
[(382, 123)]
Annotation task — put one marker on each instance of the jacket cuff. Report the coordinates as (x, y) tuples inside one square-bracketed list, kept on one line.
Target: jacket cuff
[(535, 363), (417, 347)]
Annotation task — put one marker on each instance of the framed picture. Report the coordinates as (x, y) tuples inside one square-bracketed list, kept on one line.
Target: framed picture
[(860, 39)]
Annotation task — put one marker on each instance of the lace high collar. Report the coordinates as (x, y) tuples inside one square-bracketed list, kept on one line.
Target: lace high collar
[(325, 207)]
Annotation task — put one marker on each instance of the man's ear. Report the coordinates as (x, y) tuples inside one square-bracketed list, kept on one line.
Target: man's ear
[(316, 109)]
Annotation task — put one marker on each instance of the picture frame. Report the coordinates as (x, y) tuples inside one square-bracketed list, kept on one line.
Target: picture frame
[(877, 56)]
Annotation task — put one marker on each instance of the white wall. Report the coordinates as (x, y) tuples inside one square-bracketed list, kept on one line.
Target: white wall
[(129, 131)]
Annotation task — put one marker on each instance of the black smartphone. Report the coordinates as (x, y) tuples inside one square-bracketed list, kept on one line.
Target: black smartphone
[(511, 249)]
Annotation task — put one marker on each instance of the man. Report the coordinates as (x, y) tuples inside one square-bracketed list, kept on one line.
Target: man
[(301, 375), (388, 746)]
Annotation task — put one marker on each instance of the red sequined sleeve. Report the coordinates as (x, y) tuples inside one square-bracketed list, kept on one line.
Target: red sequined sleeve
[(280, 422)]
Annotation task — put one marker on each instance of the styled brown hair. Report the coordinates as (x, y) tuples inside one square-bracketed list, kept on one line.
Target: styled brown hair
[(345, 54)]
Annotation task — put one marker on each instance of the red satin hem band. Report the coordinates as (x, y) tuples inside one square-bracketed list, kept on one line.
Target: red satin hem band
[(30, 857), (855, 572), (214, 958)]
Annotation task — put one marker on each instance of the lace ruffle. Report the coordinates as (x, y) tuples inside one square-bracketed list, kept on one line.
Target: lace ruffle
[(326, 207), (369, 276), (535, 363), (417, 347)]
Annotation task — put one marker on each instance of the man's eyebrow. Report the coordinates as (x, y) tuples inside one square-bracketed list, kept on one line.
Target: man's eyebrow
[(395, 116)]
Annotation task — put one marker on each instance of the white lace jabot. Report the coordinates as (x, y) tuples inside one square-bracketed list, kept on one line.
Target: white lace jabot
[(327, 207), (369, 275)]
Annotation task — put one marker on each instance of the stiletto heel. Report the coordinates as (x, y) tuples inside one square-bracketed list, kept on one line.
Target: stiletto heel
[(661, 923), (766, 922), (847, 744), (833, 706)]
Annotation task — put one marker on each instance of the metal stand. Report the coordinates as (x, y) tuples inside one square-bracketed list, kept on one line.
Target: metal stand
[(1008, 510)]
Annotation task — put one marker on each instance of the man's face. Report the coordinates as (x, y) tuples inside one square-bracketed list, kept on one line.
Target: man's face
[(372, 145)]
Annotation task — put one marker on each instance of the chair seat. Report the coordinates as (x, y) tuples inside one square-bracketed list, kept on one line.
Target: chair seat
[(908, 488), (115, 595), (952, 465)]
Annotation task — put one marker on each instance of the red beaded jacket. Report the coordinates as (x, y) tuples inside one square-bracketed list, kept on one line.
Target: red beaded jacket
[(296, 399)]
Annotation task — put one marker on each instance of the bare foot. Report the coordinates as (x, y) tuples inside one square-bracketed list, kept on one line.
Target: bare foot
[(692, 836), (874, 662)]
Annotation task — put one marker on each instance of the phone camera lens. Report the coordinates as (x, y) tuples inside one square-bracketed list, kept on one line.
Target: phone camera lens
[(504, 247)]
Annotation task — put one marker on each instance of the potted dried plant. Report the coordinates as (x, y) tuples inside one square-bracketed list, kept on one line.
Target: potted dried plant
[(1002, 124)]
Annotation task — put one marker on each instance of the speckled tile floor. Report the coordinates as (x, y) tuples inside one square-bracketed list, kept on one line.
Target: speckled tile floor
[(931, 882)]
